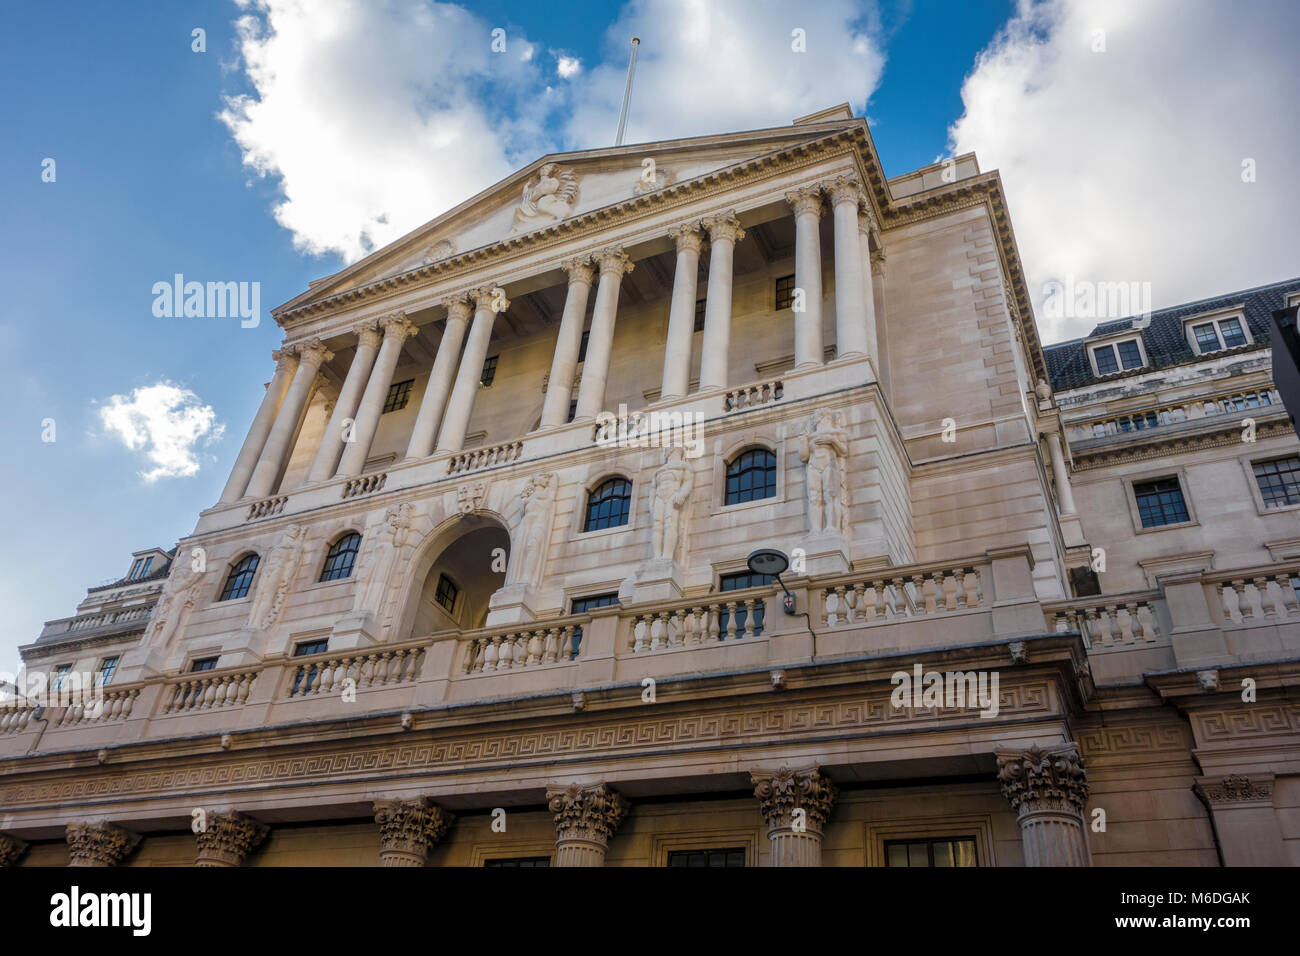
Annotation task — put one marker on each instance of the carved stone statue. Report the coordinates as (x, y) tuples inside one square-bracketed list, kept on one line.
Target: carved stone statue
[(276, 573), (181, 594), (548, 198), (824, 448), (380, 550), (672, 489), (530, 530)]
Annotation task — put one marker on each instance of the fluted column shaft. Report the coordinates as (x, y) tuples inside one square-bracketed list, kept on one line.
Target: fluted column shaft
[(455, 422), (796, 805), (1048, 789), (559, 386), (850, 304), (227, 838), (396, 329), (285, 363), (331, 446), (585, 819), (724, 233), (409, 829), (440, 378), (809, 349), (614, 264), (310, 359), (1064, 493), (681, 313), (868, 287)]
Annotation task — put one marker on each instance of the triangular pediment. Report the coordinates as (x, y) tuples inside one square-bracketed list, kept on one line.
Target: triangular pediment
[(559, 187)]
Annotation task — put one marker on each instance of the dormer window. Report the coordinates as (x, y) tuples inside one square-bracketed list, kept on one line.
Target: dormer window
[(1116, 356), (139, 568), (1217, 334)]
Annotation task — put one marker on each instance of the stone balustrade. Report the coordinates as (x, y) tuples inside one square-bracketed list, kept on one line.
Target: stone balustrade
[(267, 507), (1255, 596), (1227, 403), (899, 594), (15, 716), (753, 395), (736, 615), (556, 642), (110, 618), (364, 485), (321, 675), (209, 690), (1124, 620), (476, 458), (108, 704)]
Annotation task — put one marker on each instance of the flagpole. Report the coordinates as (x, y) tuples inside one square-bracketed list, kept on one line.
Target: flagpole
[(627, 92)]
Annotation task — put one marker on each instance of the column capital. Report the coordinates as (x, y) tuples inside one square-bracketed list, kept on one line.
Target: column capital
[(228, 838), (409, 829), (285, 358), (689, 236), (580, 269), (1038, 779), (312, 353), (614, 261), (367, 333), (459, 307), (724, 225), (806, 199), (11, 850), (99, 844), (397, 326), (845, 189), (589, 813), (490, 298), (781, 792)]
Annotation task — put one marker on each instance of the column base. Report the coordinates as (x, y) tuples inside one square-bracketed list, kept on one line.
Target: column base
[(659, 579), (825, 553)]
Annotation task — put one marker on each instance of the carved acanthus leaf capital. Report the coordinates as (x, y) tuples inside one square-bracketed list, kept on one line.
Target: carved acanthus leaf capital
[(781, 792), (689, 236), (99, 844), (397, 326), (368, 334), (312, 354), (586, 813), (1038, 779), (845, 189), (805, 200), (11, 850), (580, 269), (227, 838), (724, 226), (614, 261), (459, 308), (285, 359), (490, 298), (410, 827)]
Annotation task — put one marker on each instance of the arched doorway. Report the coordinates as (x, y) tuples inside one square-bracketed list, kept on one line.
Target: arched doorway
[(458, 568)]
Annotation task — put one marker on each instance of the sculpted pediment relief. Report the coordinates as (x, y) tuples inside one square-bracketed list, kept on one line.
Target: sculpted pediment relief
[(548, 197)]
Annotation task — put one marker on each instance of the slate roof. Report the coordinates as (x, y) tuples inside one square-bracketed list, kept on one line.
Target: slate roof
[(161, 572), (1165, 343)]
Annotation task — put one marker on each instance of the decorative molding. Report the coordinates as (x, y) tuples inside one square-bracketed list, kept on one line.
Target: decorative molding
[(409, 829), (781, 792), (1235, 789), (99, 844), (589, 814), (228, 838), (11, 850), (1038, 779)]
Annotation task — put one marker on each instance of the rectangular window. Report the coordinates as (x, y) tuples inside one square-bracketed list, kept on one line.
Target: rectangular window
[(319, 646), (306, 673), (61, 675), (699, 314), (734, 856), (738, 582), (1218, 334), (1160, 502), (1232, 333), (399, 393), (140, 568), (784, 292), (447, 593), (573, 409), (107, 668), (1130, 356), (1106, 362), (584, 604), (582, 348), (940, 852), (203, 664), (1111, 358), (489, 371), (1279, 481), (1207, 340), (520, 861)]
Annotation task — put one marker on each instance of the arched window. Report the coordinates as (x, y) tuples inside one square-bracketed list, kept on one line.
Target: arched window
[(751, 475), (343, 554), (608, 504), (240, 578)]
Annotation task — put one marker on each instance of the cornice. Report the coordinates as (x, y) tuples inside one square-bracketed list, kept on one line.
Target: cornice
[(1229, 433)]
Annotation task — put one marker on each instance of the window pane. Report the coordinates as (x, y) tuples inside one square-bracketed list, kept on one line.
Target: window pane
[(489, 370), (751, 476), (1106, 360), (341, 557), (1232, 333), (447, 593), (939, 852), (1130, 355), (608, 505), (240, 579), (399, 393), (1207, 340), (896, 854), (107, 668), (1279, 481), (707, 858), (583, 604), (1160, 502), (785, 293)]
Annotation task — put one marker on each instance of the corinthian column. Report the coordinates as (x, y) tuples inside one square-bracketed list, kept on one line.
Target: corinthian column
[(345, 409), (614, 264), (850, 306), (555, 410), (807, 205), (11, 850), (868, 287), (409, 829), (99, 844), (285, 363), (585, 819), (456, 422), (310, 358), (1048, 790), (796, 805), (228, 838), (724, 233), (444, 369), (1064, 493), (681, 314), (396, 330)]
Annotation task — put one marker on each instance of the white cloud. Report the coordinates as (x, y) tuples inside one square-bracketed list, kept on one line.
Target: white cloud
[(164, 421), (567, 66), (1126, 165)]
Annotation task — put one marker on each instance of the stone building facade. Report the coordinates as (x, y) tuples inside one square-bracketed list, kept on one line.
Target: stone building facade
[(477, 591)]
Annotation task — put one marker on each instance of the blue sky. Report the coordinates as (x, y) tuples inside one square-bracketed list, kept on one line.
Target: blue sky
[(150, 181)]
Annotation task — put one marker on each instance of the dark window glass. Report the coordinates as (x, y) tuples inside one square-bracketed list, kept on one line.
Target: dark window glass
[(707, 858), (489, 370), (107, 668), (1106, 360), (140, 568), (941, 852), (1279, 481), (61, 675), (582, 348), (342, 555), (1207, 340), (1130, 356), (135, 570), (737, 582), (203, 664), (584, 604), (1160, 502), (573, 409), (608, 504), (306, 675), (1233, 336), (399, 393), (447, 593), (751, 476), (307, 648), (240, 578), (784, 292), (520, 861), (699, 314)]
